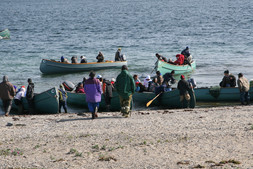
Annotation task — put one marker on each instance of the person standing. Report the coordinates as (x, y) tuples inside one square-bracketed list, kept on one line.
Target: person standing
[(93, 92), (183, 87), (125, 87), (107, 92), (30, 95), (7, 92), (18, 99), (62, 99), (118, 55), (243, 85), (169, 79)]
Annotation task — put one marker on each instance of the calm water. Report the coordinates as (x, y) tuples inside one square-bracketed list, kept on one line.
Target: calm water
[(218, 32)]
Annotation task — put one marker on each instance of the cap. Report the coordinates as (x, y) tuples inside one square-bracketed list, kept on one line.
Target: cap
[(22, 86), (226, 71), (182, 76), (113, 80), (99, 76)]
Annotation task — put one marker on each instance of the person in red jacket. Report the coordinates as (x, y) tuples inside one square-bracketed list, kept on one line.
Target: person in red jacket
[(180, 59)]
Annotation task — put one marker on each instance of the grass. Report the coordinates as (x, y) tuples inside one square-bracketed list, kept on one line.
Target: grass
[(37, 146), (8, 152), (72, 151), (96, 147), (103, 157)]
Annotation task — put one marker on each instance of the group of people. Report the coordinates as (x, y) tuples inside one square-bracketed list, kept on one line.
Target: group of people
[(229, 80), (181, 59), (8, 92), (100, 58)]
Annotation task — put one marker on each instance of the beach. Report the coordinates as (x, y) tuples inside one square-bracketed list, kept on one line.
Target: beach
[(217, 137)]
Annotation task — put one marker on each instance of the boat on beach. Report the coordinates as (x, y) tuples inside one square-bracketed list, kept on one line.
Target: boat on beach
[(165, 67), (219, 94), (56, 67), (44, 103), (5, 34)]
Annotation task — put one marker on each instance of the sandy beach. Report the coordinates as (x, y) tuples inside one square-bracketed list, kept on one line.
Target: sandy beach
[(219, 137)]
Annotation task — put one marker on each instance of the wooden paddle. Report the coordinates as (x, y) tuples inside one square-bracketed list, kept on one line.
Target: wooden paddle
[(153, 99)]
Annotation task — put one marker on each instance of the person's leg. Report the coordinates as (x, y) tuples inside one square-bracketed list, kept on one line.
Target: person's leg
[(65, 107), (126, 106), (8, 107), (92, 109), (242, 97), (182, 100), (247, 97), (60, 105), (188, 98)]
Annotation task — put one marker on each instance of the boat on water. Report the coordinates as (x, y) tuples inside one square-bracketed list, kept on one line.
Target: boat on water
[(46, 102), (219, 94), (165, 67), (5, 34), (170, 99), (56, 67), (79, 100)]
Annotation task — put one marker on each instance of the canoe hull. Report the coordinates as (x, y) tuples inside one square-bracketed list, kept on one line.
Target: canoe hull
[(5, 34), (44, 103), (79, 100), (169, 99), (54, 67), (165, 67), (230, 94)]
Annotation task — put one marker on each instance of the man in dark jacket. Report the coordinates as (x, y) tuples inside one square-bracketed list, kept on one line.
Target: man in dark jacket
[(7, 92), (30, 95), (118, 55), (168, 78), (183, 87), (125, 87), (228, 80)]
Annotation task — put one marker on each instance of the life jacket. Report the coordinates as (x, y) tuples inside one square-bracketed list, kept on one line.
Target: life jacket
[(62, 95)]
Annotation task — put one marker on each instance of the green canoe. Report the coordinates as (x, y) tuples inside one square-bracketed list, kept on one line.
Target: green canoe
[(165, 67), (169, 99), (79, 100), (44, 103), (218, 94), (5, 34)]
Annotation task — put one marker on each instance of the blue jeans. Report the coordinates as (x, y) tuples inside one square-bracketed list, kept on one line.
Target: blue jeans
[(92, 106), (244, 96)]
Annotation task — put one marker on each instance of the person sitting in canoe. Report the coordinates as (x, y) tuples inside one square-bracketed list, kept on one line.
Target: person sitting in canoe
[(100, 57), (160, 57), (187, 56), (136, 79), (64, 60), (169, 79), (228, 80), (146, 82), (79, 88), (153, 85), (179, 61), (74, 59), (159, 77), (83, 59)]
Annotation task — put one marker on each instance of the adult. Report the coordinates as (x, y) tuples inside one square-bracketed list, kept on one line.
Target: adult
[(160, 57), (7, 92), (62, 58), (62, 98), (107, 92), (18, 99), (243, 85), (183, 87), (30, 95), (74, 59), (83, 59), (146, 82), (186, 52), (100, 57), (159, 77), (180, 59), (168, 78), (125, 87), (93, 92), (118, 55), (228, 80), (136, 79)]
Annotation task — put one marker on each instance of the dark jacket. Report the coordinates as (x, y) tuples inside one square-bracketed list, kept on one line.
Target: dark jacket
[(7, 91), (169, 78), (100, 58), (228, 81), (30, 91), (183, 87), (117, 56), (186, 52), (108, 88), (124, 84)]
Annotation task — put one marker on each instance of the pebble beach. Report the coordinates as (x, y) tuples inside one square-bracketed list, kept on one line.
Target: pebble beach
[(217, 137)]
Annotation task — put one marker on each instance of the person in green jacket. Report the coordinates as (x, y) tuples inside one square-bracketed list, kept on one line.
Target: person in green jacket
[(125, 87)]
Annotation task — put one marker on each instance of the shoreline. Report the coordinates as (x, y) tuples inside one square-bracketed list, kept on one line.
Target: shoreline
[(168, 138)]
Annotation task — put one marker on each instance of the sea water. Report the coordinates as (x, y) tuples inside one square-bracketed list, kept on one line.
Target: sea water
[(218, 32)]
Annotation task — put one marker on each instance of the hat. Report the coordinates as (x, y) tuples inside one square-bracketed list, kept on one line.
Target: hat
[(119, 48), (22, 86), (147, 77), (113, 80), (226, 71), (240, 75), (182, 76), (99, 76)]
